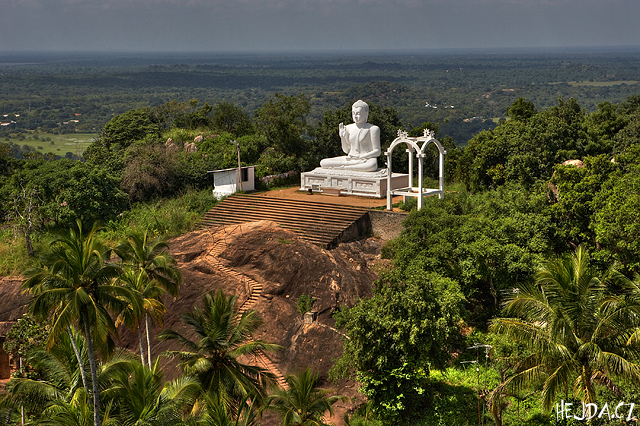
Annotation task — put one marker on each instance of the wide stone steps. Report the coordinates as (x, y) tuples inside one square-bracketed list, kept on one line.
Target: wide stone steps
[(316, 222)]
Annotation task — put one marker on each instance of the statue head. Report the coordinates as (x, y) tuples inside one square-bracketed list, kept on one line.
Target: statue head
[(362, 108), (360, 104)]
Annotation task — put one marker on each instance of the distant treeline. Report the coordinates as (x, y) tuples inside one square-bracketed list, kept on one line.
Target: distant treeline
[(48, 91)]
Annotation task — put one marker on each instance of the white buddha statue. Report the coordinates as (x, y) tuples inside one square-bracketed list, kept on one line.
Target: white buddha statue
[(360, 141)]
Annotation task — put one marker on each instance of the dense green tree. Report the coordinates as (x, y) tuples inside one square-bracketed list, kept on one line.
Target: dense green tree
[(26, 335), (123, 130), (185, 115), (74, 285), (109, 149), (603, 125), (628, 136), (407, 327), (67, 190), (326, 141), (526, 151), (483, 163), (615, 220), (283, 120), (521, 110), (222, 335), (5, 156), (303, 403), (580, 326), (485, 242), (199, 117), (572, 191), (230, 118), (171, 112)]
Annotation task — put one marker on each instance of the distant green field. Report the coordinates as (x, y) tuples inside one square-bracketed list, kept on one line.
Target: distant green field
[(603, 83), (58, 144)]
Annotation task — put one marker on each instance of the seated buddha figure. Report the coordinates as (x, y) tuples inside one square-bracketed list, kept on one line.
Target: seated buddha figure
[(360, 141)]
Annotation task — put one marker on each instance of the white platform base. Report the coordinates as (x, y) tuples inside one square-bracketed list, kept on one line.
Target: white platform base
[(367, 184)]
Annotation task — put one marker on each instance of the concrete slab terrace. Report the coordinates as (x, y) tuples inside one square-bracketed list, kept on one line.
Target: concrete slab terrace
[(294, 193)]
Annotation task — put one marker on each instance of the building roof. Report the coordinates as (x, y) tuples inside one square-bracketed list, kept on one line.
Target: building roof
[(228, 170)]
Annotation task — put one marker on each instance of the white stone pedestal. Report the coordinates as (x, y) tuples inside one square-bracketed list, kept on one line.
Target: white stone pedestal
[(367, 184)]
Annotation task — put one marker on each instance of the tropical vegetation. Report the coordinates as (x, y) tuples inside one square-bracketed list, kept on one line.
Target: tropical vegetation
[(303, 403), (513, 295)]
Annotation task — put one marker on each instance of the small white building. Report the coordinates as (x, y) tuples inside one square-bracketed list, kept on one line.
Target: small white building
[(229, 181)]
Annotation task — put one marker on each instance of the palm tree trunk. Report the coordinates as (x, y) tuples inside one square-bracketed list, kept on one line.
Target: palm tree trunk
[(146, 319), (142, 356), (94, 376), (590, 392), (21, 406), (83, 373)]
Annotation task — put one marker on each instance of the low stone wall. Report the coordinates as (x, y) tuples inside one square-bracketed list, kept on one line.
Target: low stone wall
[(358, 229), (386, 225), (378, 223)]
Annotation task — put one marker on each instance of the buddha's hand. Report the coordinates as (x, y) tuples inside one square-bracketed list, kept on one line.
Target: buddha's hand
[(341, 130)]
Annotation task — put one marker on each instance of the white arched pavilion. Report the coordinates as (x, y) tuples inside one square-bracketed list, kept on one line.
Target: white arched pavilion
[(415, 146)]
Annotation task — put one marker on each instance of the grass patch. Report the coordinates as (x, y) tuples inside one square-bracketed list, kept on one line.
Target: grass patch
[(456, 399), (166, 217), (13, 251), (75, 143)]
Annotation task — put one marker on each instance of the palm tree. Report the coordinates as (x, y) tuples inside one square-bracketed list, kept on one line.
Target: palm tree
[(73, 413), (137, 394), (303, 404), (75, 286), (150, 294), (216, 414), (581, 329), (223, 335), (141, 253), (57, 377)]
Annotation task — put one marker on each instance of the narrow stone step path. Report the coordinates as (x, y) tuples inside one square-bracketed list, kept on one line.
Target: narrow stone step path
[(219, 246)]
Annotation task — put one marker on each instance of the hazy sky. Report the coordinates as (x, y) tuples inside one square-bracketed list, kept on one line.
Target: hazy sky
[(257, 25)]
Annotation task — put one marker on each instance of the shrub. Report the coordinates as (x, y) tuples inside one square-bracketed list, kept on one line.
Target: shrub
[(305, 302), (150, 173)]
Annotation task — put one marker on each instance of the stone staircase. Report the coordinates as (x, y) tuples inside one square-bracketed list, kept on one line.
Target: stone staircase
[(319, 223)]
